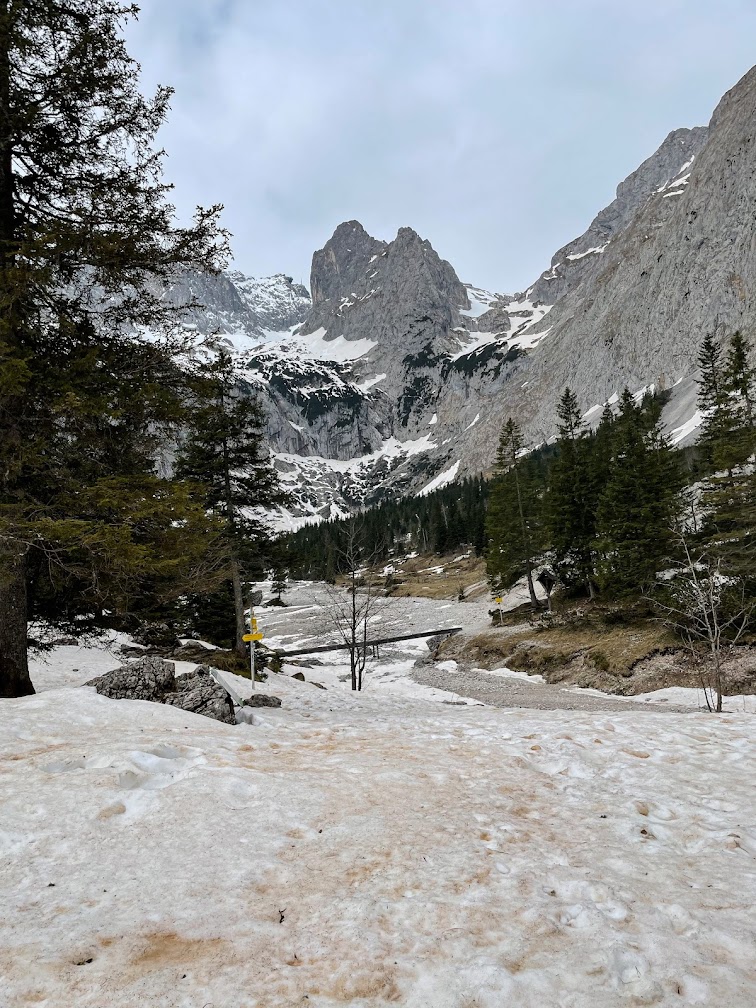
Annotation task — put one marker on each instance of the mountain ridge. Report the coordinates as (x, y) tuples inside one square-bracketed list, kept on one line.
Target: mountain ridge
[(396, 375)]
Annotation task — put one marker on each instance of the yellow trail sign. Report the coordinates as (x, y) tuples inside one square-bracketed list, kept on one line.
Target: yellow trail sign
[(252, 636)]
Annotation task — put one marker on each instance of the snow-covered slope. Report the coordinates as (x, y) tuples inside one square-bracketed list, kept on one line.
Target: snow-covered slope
[(373, 850), (240, 307)]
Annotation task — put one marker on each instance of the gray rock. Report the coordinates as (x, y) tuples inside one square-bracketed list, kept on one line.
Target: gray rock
[(261, 700), (154, 679), (235, 303), (149, 678), (574, 263), (199, 693), (684, 265)]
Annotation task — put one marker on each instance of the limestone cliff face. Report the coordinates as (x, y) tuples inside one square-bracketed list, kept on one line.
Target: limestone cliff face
[(400, 302), (581, 260), (233, 304), (684, 265)]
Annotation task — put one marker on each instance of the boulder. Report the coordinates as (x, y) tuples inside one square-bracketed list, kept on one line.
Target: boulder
[(154, 679), (199, 693), (192, 651), (262, 700), (150, 678)]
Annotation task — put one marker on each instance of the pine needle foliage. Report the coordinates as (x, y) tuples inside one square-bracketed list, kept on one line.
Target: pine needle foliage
[(87, 243), (225, 456), (514, 522)]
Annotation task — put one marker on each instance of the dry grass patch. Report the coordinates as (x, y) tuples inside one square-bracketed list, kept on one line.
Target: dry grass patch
[(435, 577), (584, 652)]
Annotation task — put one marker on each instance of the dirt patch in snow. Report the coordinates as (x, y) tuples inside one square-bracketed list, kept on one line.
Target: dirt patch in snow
[(434, 577)]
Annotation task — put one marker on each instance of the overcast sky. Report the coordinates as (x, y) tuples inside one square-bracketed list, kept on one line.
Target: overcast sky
[(495, 128)]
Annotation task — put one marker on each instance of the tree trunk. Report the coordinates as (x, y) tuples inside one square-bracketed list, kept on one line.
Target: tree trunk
[(525, 537), (239, 646), (531, 589), (14, 668), (353, 665), (718, 683)]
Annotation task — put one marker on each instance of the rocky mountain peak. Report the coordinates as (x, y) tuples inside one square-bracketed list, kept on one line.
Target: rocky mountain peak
[(342, 262), (238, 305), (395, 307)]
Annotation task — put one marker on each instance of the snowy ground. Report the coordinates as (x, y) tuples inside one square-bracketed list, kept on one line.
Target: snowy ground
[(386, 848)]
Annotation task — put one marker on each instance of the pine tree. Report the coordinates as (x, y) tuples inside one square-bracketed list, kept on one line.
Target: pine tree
[(740, 382), (109, 530), (86, 241), (572, 499), (729, 495), (636, 510), (224, 453), (717, 438), (514, 511), (280, 582)]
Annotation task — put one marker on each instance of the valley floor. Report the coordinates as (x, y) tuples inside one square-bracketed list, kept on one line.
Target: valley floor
[(374, 849)]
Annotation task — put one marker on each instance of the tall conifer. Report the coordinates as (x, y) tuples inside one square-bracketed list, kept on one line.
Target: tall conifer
[(513, 522), (637, 506), (87, 239), (225, 454), (572, 499)]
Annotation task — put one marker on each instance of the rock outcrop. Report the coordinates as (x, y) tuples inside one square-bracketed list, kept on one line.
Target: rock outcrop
[(149, 678), (239, 307), (154, 679), (199, 693)]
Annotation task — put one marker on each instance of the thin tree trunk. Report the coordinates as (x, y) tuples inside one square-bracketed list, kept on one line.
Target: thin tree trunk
[(353, 653), (239, 645), (14, 668), (525, 536), (531, 588)]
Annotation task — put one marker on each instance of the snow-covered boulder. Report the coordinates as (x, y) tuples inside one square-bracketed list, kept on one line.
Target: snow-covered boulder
[(199, 693), (154, 679), (150, 678)]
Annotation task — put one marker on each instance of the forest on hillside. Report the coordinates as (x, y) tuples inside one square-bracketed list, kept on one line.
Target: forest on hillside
[(602, 510)]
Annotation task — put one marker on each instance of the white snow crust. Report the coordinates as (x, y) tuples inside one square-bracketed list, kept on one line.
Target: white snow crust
[(443, 479), (371, 850), (680, 433)]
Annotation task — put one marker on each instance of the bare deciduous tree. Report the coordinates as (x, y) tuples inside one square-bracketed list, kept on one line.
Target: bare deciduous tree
[(351, 609), (709, 609)]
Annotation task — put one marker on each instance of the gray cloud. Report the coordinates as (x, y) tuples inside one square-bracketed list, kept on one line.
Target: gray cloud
[(495, 128)]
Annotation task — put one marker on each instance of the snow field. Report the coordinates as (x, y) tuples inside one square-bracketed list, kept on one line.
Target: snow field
[(373, 850)]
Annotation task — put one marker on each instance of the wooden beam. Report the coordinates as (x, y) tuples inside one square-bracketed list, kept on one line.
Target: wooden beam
[(366, 644)]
